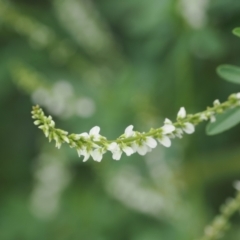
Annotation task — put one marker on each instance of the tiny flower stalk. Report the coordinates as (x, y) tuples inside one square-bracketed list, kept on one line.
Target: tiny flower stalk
[(221, 223), (94, 145)]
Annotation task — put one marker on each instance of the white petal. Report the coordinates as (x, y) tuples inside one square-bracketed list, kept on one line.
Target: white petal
[(117, 155), (151, 142), (203, 117), (165, 141), (216, 102), (84, 135), (129, 151), (134, 147), (113, 146), (168, 128), (142, 150), (182, 113), (238, 95), (178, 132), (58, 145), (86, 155), (188, 128), (129, 131), (97, 155), (79, 151), (95, 130), (167, 121), (37, 122)]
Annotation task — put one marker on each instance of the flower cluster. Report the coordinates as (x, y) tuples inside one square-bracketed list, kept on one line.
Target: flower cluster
[(95, 145)]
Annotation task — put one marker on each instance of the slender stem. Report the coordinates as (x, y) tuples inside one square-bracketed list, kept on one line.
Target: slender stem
[(220, 223)]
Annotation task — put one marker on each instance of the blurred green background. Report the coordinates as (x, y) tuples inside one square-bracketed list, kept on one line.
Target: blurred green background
[(114, 63)]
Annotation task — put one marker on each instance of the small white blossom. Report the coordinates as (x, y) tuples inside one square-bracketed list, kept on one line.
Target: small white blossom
[(116, 150), (86, 155), (97, 154), (168, 127), (182, 113), (216, 102), (128, 150), (165, 141), (203, 116), (58, 144), (94, 133), (150, 142), (83, 151), (141, 149), (82, 135), (188, 128), (178, 132), (129, 131), (37, 122)]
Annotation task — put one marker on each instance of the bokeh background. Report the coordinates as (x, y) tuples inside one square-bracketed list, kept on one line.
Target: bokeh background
[(114, 63)]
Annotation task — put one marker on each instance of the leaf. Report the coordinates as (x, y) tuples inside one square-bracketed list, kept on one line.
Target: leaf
[(230, 73), (236, 31), (224, 121)]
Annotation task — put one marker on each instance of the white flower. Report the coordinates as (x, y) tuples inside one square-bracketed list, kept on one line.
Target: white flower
[(168, 127), (86, 155), (84, 152), (37, 122), (216, 102), (182, 113), (238, 95), (145, 146), (116, 150), (93, 134), (150, 142), (178, 132), (188, 128), (128, 150), (203, 116), (141, 149), (97, 154), (129, 131), (58, 144), (165, 141)]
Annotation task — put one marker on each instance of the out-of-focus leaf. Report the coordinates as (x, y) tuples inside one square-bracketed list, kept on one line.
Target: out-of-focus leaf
[(224, 122), (236, 31), (229, 73)]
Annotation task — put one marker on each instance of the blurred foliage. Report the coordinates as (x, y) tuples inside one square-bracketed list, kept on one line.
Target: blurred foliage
[(114, 63)]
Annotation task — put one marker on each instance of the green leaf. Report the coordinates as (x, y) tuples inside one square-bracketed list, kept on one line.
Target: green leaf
[(236, 31), (224, 121), (229, 73)]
